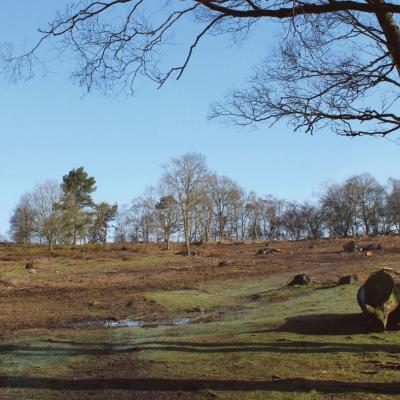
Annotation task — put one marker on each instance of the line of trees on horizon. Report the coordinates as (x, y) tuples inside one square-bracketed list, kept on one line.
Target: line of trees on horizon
[(65, 213), (190, 203)]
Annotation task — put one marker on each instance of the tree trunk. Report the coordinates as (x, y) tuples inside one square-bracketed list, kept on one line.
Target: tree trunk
[(207, 227), (74, 235), (392, 34), (221, 229), (186, 230), (51, 245), (167, 238)]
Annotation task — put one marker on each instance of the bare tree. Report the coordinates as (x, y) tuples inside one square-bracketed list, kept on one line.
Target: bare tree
[(236, 216), (218, 208), (368, 195), (141, 220), (129, 222), (204, 214), (186, 177), (253, 210), (293, 221), (22, 222), (313, 220), (147, 221), (338, 70), (339, 210), (48, 216), (271, 217), (123, 225), (221, 191), (167, 216), (393, 203), (337, 63), (358, 206)]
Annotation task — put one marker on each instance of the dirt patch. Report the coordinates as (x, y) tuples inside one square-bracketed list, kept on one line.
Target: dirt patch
[(102, 284)]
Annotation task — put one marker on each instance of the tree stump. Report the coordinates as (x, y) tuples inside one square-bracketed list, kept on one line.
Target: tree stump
[(300, 279)]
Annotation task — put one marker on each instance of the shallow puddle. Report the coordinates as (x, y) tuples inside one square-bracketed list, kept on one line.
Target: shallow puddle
[(143, 324), (131, 323)]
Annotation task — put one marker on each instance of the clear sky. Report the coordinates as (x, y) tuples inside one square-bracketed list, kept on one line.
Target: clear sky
[(48, 126)]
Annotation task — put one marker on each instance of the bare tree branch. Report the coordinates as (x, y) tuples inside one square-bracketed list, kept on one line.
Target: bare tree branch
[(337, 64)]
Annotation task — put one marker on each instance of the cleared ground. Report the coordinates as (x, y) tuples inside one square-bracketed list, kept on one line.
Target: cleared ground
[(250, 335)]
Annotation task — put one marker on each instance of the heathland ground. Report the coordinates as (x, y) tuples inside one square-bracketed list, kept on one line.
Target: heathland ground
[(221, 324)]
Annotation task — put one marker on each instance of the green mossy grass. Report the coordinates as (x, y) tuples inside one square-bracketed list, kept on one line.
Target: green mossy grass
[(290, 342)]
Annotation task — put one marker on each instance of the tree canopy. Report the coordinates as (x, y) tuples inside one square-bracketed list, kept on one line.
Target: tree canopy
[(78, 187), (336, 63)]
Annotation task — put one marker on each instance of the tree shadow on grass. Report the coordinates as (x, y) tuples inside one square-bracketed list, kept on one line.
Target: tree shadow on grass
[(328, 324), (313, 324), (331, 286), (193, 385), (211, 348)]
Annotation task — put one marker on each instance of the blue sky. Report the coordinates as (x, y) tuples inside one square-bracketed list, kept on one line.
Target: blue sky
[(49, 126)]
